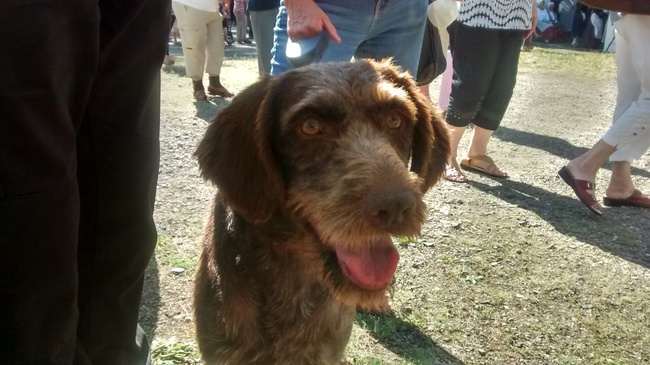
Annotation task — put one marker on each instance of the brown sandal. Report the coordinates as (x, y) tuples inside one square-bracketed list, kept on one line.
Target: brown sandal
[(482, 164), (215, 88), (583, 190), (199, 90), (200, 95), (219, 91)]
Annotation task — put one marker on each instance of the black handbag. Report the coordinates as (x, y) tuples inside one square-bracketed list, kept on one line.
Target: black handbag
[(432, 57)]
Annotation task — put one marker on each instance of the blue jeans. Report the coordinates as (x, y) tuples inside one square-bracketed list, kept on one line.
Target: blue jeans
[(374, 29)]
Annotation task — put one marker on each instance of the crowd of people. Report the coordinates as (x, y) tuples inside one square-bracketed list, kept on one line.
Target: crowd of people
[(80, 139), (570, 21)]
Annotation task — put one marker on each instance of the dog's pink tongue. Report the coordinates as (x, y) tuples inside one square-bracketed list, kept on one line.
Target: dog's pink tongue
[(371, 268)]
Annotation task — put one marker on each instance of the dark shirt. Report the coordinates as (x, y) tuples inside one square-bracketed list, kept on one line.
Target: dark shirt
[(259, 5)]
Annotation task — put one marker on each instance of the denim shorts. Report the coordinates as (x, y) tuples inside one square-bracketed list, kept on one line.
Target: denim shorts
[(374, 29)]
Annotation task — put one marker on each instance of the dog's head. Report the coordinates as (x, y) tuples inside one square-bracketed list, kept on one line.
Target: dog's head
[(342, 151)]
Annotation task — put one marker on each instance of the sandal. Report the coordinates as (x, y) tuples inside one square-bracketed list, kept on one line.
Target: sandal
[(637, 199), (482, 164), (454, 174), (583, 190), (199, 90), (219, 91), (200, 95)]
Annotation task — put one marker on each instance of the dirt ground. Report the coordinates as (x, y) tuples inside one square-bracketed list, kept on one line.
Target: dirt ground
[(512, 271)]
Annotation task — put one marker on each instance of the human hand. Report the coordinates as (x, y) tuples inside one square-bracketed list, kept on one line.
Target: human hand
[(306, 19)]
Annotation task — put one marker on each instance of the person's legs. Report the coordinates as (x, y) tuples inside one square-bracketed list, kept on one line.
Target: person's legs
[(168, 60), (262, 23), (396, 31), (497, 98), (192, 25), (577, 26), (630, 133), (352, 20), (453, 171), (480, 139), (368, 28), (586, 166), (620, 185), (49, 57), (474, 64), (118, 149), (251, 34), (215, 55), (242, 25), (629, 137)]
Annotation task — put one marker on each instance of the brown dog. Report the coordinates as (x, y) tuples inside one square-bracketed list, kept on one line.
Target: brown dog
[(313, 179)]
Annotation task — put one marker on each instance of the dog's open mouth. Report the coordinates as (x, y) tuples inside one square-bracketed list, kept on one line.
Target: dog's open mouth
[(371, 267)]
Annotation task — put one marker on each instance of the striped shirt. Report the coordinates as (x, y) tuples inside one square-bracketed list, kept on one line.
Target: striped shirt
[(497, 14)]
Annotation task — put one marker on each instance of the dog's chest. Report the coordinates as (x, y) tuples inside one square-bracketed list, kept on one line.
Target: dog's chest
[(315, 330)]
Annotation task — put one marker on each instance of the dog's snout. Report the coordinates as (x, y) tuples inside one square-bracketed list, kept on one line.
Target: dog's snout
[(389, 208)]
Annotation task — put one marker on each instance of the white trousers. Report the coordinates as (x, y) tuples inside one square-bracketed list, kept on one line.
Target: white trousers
[(202, 39), (630, 132)]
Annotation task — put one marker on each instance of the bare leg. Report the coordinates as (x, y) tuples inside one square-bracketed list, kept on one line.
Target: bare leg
[(453, 171), (586, 166), (620, 184), (480, 139), (199, 90), (424, 89)]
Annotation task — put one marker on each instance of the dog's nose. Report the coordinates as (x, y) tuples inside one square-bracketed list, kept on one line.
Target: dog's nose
[(389, 208)]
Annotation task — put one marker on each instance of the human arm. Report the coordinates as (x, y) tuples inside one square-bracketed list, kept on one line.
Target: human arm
[(225, 9), (306, 19), (531, 31)]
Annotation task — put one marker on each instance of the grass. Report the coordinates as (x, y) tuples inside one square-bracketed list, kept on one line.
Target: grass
[(557, 61), (172, 255), (171, 352)]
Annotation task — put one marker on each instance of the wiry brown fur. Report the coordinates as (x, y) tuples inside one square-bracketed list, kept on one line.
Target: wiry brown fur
[(269, 289)]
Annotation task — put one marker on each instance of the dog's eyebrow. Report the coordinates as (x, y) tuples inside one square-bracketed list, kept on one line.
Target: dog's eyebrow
[(320, 103), (388, 90), (386, 96)]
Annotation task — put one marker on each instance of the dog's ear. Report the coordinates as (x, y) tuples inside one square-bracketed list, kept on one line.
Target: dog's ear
[(430, 149), (236, 154)]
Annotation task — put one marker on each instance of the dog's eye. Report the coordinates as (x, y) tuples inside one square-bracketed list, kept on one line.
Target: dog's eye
[(394, 121), (311, 127)]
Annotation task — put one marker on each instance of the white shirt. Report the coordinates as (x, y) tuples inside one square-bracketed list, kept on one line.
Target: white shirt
[(497, 14), (545, 19)]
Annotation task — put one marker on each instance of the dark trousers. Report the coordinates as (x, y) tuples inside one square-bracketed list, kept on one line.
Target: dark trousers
[(79, 120), (485, 74), (171, 26), (578, 24)]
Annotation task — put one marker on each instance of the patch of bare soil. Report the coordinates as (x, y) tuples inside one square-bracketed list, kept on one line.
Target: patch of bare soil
[(507, 271)]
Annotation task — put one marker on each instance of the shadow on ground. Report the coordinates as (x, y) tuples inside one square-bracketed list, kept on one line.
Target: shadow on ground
[(208, 109), (405, 339), (620, 231), (150, 303), (553, 145)]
